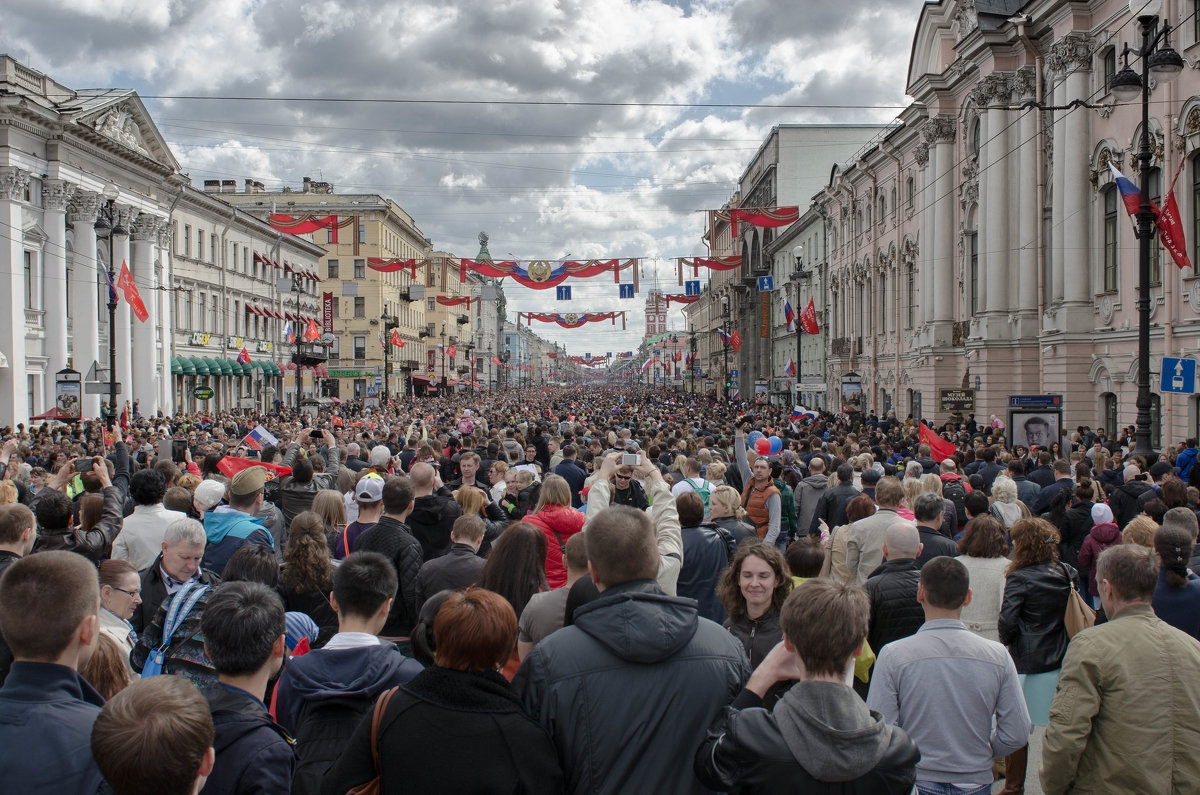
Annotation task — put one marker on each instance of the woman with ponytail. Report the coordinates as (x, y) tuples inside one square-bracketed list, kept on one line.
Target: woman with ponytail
[(307, 576), (1177, 597)]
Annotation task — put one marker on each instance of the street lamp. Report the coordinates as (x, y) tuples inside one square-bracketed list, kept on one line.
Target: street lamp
[(443, 357), (725, 347), (108, 225), (1161, 60), (490, 364), (692, 358), (389, 323), (797, 276)]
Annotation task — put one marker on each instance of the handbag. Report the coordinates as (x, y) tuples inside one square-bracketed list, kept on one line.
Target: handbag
[(375, 785), (1079, 616)]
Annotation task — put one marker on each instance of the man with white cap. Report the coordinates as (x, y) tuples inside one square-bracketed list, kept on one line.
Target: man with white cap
[(368, 496)]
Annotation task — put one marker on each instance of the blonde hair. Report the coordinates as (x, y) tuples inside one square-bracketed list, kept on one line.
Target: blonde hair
[(8, 492), (913, 488), (470, 499), (931, 483), (729, 497), (1140, 530), (715, 471)]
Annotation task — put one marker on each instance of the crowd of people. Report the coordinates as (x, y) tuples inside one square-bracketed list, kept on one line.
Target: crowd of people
[(593, 590)]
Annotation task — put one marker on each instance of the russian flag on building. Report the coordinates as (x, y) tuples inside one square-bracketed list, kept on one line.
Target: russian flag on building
[(244, 356), (790, 370), (789, 315), (287, 332), (1130, 195)]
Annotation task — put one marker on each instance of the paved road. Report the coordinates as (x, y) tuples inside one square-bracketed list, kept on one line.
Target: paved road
[(1032, 785)]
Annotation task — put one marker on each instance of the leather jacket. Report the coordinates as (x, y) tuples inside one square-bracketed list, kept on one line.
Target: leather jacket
[(1031, 616), (95, 544), (295, 498)]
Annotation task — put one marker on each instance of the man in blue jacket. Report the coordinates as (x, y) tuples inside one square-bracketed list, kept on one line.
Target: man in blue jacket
[(243, 626), (230, 527), (49, 612)]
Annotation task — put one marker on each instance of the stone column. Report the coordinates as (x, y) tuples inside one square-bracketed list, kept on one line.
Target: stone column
[(55, 195), (122, 332), (165, 301), (143, 237), (996, 178), (939, 132), (1028, 211), (925, 218), (85, 290), (14, 401)]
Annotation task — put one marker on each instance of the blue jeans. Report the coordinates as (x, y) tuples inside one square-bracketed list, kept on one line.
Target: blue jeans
[(939, 788)]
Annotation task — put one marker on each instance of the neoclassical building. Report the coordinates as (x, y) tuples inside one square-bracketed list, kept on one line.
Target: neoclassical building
[(982, 241)]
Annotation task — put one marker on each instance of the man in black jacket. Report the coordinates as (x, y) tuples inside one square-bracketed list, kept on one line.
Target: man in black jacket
[(243, 626), (391, 538), (833, 502), (928, 511), (820, 737), (53, 509), (570, 471), (16, 541), (459, 567), (892, 588), (182, 550), (433, 512), (707, 550), (1124, 499)]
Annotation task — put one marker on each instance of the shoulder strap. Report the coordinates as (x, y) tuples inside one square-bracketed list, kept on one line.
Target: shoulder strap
[(561, 545), (176, 615), (381, 706), (346, 540)]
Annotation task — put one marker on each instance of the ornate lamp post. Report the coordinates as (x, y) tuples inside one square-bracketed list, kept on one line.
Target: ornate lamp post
[(389, 323), (1161, 60), (443, 390), (108, 225)]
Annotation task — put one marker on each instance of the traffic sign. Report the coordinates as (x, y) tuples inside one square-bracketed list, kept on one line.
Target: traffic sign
[(99, 388), (766, 284), (691, 287), (1034, 401), (1178, 375), (95, 374)]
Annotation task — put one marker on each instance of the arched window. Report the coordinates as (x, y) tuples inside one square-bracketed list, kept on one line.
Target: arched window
[(1108, 411), (882, 209), (1111, 257), (910, 193), (976, 133), (893, 198), (973, 253), (883, 302)]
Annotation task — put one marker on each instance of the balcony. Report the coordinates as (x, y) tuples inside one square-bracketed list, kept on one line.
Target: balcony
[(408, 364), (960, 332), (840, 346)]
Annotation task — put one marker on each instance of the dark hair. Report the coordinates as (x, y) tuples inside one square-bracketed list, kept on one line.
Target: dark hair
[(946, 582), (14, 520), (302, 470), (306, 558), (729, 589), (516, 566), (845, 473), (827, 622), (397, 494), (252, 563), (43, 598), (690, 507), (1084, 491), (91, 510), (1174, 493), (621, 546), (162, 718), (984, 537), (147, 487), (929, 506), (53, 510), (241, 623), (805, 557), (1174, 545), (474, 631), (363, 582), (976, 503)]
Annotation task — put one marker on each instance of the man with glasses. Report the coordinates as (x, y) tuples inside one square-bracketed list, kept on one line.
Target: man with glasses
[(627, 490)]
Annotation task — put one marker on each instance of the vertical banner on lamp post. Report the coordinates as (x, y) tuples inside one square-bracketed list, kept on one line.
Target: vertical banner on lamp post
[(766, 315), (327, 312)]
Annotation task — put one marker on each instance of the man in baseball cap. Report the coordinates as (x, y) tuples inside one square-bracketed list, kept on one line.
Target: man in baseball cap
[(230, 527)]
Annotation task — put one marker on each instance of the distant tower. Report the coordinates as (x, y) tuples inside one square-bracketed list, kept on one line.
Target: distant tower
[(656, 313)]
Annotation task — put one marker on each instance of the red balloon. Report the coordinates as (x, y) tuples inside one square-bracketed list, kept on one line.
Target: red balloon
[(762, 446)]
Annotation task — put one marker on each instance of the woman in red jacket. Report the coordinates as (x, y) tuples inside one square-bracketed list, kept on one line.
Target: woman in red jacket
[(558, 521)]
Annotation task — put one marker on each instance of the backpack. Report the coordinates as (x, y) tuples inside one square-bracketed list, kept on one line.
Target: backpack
[(181, 605), (323, 730), (703, 492), (954, 491)]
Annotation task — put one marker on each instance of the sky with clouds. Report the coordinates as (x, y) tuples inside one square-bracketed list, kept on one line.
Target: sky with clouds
[(590, 129)]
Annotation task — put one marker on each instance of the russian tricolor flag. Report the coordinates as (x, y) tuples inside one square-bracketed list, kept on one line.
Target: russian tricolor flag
[(259, 438), (1130, 195), (799, 412), (287, 332), (789, 315), (790, 370)]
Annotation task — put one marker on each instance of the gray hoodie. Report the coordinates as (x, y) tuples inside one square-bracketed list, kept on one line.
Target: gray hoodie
[(830, 731), (808, 495)]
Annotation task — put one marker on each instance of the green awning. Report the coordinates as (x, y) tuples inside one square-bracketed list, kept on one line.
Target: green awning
[(257, 365), (272, 369), (201, 365), (176, 367), (222, 365), (185, 365)]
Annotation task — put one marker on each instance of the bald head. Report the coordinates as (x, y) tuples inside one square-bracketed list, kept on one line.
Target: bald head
[(422, 478), (902, 541), (1132, 472)]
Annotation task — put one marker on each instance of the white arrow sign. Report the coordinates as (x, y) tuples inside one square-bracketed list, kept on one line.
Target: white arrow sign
[(95, 374)]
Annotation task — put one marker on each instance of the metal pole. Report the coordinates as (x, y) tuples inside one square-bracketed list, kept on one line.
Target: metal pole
[(1145, 224)]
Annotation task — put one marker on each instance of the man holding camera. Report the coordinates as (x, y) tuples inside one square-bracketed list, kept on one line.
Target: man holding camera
[(55, 513)]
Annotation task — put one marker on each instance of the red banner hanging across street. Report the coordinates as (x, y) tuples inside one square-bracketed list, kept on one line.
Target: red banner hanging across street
[(544, 274), (445, 300), (571, 319), (682, 299)]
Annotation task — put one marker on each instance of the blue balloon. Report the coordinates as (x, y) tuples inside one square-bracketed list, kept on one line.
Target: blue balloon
[(776, 444), (754, 437)]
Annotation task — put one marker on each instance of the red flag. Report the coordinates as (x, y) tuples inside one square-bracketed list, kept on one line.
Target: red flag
[(311, 332), (132, 296), (678, 355), (1170, 226), (452, 351), (735, 340), (231, 465), (124, 419), (396, 339), (244, 356), (496, 361), (939, 447), (808, 318)]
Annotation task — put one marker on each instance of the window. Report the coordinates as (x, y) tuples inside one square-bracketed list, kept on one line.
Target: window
[(1155, 242), (883, 302), (893, 198), (175, 235), (360, 269), (200, 245), (910, 294), (332, 265), (212, 248), (237, 315), (328, 235), (1108, 408), (1196, 210), (976, 137), (362, 233), (30, 298), (187, 240), (910, 193), (233, 260), (186, 314), (1110, 239), (360, 306), (882, 209), (1109, 68), (360, 347), (430, 305), (336, 308), (973, 253)]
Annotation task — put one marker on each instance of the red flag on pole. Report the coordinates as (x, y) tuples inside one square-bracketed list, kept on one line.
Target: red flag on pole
[(132, 296), (735, 340), (1170, 226), (939, 447), (396, 339), (808, 319), (496, 361), (452, 351), (311, 332)]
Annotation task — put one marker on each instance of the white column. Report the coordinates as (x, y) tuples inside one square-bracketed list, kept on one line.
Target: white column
[(165, 301), (124, 350), (14, 401), (143, 236), (996, 238), (942, 158), (85, 287), (924, 211), (1076, 191), (55, 195), (1028, 212)]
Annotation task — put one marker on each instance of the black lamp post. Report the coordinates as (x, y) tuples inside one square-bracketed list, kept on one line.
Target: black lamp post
[(725, 346), (490, 364), (797, 276), (389, 323), (692, 358), (443, 390), (1161, 60), (470, 367), (108, 226)]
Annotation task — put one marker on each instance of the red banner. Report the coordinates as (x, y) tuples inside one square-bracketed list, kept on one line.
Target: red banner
[(572, 319), (452, 351), (544, 274), (940, 448), (393, 265), (396, 339), (132, 296), (327, 300), (808, 318), (445, 300), (310, 223), (231, 465), (766, 315), (768, 217), (682, 299), (718, 264)]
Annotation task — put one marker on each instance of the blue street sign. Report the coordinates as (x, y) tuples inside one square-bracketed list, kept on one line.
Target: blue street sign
[(1178, 375), (766, 284), (564, 293), (691, 288), (733, 373), (371, 390), (626, 290), (1034, 401)]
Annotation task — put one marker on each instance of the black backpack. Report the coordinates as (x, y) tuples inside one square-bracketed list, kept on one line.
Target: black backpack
[(323, 730), (954, 491)]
